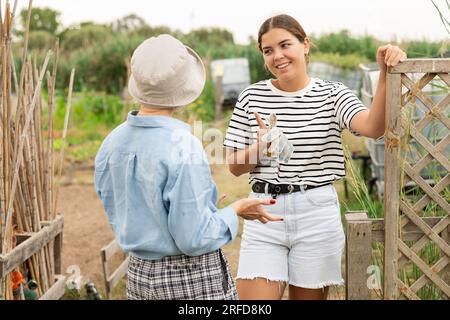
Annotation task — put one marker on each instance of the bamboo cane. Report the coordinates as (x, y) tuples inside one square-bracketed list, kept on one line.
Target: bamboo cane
[(34, 77), (19, 159), (28, 194), (6, 139), (42, 258), (2, 191), (43, 172), (66, 125), (49, 155), (26, 170), (39, 156), (25, 51), (5, 135), (30, 166), (51, 88), (23, 71)]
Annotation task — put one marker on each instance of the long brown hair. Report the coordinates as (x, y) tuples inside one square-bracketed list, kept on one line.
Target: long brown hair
[(286, 22)]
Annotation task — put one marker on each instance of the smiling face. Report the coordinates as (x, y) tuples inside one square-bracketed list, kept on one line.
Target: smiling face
[(284, 54)]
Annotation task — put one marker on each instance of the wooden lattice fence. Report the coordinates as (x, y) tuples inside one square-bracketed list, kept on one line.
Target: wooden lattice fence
[(417, 154)]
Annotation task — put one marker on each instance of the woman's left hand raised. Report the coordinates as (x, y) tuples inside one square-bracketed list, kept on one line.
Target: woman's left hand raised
[(390, 56)]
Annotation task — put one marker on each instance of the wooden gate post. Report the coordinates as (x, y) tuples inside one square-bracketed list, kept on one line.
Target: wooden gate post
[(358, 255), (392, 184)]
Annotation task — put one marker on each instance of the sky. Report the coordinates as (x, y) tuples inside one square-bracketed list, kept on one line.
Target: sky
[(388, 20)]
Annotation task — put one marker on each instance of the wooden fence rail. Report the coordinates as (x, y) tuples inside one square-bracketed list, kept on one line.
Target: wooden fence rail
[(31, 243), (113, 278), (362, 234)]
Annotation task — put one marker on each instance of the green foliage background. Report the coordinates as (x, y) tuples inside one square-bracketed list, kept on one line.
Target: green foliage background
[(101, 54)]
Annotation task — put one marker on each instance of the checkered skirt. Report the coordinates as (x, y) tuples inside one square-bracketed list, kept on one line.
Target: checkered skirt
[(206, 277)]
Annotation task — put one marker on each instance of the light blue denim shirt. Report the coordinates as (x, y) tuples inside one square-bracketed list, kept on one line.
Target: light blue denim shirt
[(153, 178)]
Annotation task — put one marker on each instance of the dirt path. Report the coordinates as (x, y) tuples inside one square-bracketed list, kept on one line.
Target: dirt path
[(86, 231)]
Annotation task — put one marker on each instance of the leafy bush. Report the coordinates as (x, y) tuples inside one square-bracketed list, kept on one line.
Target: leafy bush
[(102, 66), (84, 36), (40, 40), (89, 109), (422, 49), (204, 107), (349, 61), (343, 43)]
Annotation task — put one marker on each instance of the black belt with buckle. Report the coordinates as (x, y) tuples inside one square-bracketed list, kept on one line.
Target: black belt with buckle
[(277, 189)]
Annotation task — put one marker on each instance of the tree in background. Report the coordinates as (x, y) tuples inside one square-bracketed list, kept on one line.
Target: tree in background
[(42, 19), (129, 23), (101, 52), (44, 27), (214, 37), (84, 35)]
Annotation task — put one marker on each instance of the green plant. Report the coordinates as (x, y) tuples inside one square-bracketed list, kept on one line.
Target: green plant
[(204, 107), (348, 61)]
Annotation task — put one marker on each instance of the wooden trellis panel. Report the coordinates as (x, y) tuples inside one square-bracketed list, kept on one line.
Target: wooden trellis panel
[(407, 86)]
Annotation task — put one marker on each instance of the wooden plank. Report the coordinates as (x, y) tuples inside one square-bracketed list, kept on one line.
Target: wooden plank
[(57, 253), (434, 111), (391, 183), (407, 292), (420, 244), (417, 92), (422, 66), (429, 232), (432, 193), (26, 249), (407, 97), (356, 215), (438, 267), (358, 256), (430, 148), (440, 111), (410, 232), (105, 273), (57, 290), (120, 272), (439, 187), (433, 276), (445, 77), (111, 249), (446, 273)]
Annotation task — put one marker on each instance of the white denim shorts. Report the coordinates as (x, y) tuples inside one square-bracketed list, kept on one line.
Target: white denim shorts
[(305, 250)]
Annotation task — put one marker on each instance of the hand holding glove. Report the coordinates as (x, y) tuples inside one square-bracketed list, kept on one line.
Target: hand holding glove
[(279, 147)]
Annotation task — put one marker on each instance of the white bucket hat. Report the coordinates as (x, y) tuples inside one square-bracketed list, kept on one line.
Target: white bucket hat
[(165, 73)]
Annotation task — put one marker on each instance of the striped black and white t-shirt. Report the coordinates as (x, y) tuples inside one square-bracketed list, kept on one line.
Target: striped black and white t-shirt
[(312, 119)]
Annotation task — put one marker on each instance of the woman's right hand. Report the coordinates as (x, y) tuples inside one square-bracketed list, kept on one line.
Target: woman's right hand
[(251, 209)]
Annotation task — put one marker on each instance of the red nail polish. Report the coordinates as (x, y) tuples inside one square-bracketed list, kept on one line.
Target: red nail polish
[(273, 201)]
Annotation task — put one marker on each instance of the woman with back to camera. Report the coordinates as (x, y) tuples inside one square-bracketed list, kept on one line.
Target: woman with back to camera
[(153, 178), (307, 117)]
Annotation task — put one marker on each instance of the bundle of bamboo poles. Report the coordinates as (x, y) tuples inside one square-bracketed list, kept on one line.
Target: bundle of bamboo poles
[(27, 163)]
